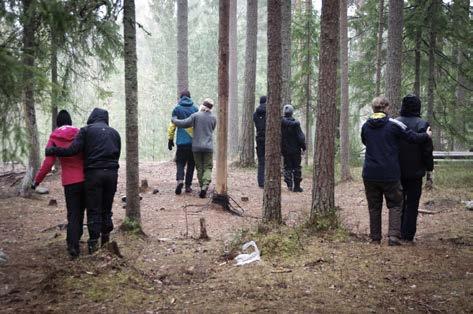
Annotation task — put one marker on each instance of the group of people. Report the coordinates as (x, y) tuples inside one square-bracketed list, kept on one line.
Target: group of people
[(399, 153)]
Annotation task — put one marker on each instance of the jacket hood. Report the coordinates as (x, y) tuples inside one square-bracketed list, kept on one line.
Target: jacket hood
[(377, 120), (261, 110), (186, 102), (98, 115), (65, 133), (410, 106)]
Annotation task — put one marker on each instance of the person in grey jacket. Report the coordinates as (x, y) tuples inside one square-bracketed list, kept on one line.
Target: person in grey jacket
[(203, 123)]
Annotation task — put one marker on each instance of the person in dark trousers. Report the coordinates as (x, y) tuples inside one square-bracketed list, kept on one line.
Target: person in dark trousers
[(292, 147), (184, 155), (72, 177), (416, 160), (381, 171), (204, 123), (101, 146), (259, 118)]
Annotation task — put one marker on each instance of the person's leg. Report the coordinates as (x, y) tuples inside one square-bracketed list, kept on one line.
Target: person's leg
[(73, 195), (94, 192), (180, 165), (297, 172), (189, 170), (82, 210), (207, 173), (412, 190), (374, 196), (109, 189), (260, 155), (288, 171), (198, 166), (393, 194)]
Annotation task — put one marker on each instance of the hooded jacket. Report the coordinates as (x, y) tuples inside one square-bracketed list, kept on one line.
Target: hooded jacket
[(183, 110), (414, 159), (259, 118), (382, 136), (72, 168), (292, 137), (100, 143)]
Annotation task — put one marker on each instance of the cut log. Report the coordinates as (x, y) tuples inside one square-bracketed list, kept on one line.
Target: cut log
[(203, 230)]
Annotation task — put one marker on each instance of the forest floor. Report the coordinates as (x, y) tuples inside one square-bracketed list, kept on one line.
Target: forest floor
[(171, 270)]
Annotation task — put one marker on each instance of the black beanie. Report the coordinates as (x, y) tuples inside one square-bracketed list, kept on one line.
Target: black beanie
[(63, 118), (262, 100), (410, 106)]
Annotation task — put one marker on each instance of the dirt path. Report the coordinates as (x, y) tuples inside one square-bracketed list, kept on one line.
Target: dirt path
[(171, 272)]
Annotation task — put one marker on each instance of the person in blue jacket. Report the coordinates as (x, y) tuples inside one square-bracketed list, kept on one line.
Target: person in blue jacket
[(184, 156), (381, 170)]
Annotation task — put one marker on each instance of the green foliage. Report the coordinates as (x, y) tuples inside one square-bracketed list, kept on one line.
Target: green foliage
[(326, 221), (455, 175), (132, 226)]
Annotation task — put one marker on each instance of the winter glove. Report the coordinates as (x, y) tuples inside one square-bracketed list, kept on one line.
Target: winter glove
[(429, 183), (50, 151), (170, 144)]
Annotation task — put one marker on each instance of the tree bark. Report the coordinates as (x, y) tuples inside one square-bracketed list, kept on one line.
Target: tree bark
[(323, 191), (28, 60), (344, 93), (418, 45), (54, 81), (223, 58), (182, 49), (272, 180), (233, 81), (286, 51), (379, 45), (394, 58), (131, 99), (247, 142), (308, 79)]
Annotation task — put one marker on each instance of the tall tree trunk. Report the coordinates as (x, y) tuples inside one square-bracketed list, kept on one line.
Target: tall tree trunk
[(344, 107), (394, 58), (247, 142), (286, 51), (272, 179), (323, 191), (233, 82), (379, 45), (28, 60), (131, 99), (418, 45), (223, 47), (54, 81), (432, 73), (308, 79), (182, 42)]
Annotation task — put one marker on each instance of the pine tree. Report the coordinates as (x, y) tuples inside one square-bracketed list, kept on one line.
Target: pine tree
[(182, 50)]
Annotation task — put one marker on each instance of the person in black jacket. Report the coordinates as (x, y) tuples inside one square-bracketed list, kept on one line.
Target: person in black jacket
[(415, 160), (292, 146), (259, 118), (101, 146), (381, 171)]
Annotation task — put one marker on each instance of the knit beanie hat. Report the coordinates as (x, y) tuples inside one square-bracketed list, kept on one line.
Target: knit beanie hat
[(262, 100), (63, 118), (288, 110)]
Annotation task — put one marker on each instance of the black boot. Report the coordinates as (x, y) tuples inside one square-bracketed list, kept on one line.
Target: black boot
[(104, 239), (203, 192), (179, 188), (297, 187), (93, 246)]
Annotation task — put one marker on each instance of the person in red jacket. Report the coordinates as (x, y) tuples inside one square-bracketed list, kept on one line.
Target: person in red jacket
[(72, 175)]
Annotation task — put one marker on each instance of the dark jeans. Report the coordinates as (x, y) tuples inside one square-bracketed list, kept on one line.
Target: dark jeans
[(260, 155), (184, 156), (392, 192), (292, 169), (75, 203), (100, 185), (412, 190)]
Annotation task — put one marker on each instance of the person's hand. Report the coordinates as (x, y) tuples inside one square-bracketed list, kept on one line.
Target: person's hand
[(50, 151), (429, 182), (429, 131), (170, 144)]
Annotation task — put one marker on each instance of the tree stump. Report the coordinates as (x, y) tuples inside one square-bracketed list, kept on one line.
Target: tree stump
[(52, 202), (144, 185), (203, 230)]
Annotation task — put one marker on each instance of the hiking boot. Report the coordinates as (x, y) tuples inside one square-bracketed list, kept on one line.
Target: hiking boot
[(188, 189), (203, 191), (73, 253), (297, 189), (394, 241), (377, 242), (104, 239), (93, 246), (179, 188)]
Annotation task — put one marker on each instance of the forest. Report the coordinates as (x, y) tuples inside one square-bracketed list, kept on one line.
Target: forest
[(101, 209)]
